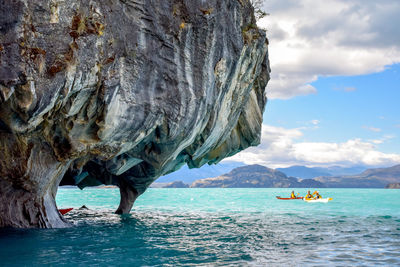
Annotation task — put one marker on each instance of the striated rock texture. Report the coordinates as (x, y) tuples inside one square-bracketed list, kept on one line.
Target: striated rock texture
[(121, 92)]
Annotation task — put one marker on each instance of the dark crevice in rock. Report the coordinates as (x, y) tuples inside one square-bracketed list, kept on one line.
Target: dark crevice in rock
[(120, 93)]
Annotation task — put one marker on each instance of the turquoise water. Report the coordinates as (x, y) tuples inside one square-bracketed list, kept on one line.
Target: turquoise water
[(237, 227)]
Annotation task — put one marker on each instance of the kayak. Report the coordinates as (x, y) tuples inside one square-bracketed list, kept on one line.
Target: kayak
[(288, 198), (323, 200), (64, 211)]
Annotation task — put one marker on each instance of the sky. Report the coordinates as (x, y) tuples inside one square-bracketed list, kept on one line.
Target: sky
[(333, 97)]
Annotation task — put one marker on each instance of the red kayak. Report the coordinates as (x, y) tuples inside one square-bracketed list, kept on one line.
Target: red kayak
[(64, 211), (288, 198)]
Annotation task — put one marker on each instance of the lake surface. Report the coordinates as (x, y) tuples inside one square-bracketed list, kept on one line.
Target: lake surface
[(237, 227)]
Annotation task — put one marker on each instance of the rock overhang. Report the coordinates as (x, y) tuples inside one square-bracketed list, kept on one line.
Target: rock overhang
[(122, 92)]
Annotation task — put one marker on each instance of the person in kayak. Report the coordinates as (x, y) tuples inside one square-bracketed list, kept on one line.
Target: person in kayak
[(317, 195), (292, 195), (309, 196)]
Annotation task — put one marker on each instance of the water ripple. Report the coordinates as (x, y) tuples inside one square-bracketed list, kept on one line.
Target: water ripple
[(215, 227), (159, 238)]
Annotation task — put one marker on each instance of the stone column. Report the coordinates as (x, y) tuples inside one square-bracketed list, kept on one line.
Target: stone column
[(29, 178)]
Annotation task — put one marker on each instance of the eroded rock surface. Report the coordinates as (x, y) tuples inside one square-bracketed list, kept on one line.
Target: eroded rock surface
[(121, 92)]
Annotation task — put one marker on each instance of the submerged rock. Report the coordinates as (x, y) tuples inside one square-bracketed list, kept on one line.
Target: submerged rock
[(121, 92)]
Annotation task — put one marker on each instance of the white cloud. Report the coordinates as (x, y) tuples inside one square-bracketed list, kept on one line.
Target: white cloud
[(280, 148), (372, 129), (315, 122), (383, 139), (326, 38)]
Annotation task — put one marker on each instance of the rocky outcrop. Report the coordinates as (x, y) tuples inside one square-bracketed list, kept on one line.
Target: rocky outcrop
[(310, 183), (176, 184), (121, 92), (251, 176), (371, 178), (393, 186)]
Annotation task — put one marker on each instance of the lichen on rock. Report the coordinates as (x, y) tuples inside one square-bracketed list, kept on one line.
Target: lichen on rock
[(121, 92)]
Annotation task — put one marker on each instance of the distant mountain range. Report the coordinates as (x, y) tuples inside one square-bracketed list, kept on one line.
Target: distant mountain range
[(188, 176), (176, 184), (255, 176), (308, 173), (371, 178), (261, 176), (393, 186)]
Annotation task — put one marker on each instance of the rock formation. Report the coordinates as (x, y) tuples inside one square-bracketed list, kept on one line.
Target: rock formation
[(121, 92), (393, 186), (370, 178), (251, 176)]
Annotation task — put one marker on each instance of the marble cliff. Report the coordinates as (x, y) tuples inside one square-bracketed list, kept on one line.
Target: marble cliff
[(121, 92)]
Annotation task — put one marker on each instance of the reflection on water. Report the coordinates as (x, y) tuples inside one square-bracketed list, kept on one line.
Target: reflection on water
[(230, 238)]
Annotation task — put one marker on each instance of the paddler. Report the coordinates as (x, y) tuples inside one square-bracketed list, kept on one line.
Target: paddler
[(292, 195), (317, 195), (309, 196)]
